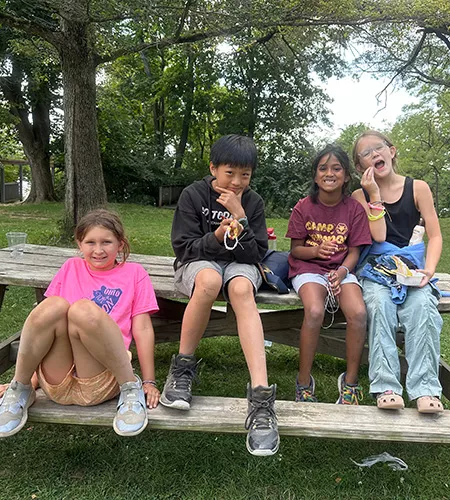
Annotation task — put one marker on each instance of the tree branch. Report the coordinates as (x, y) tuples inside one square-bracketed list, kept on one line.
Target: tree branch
[(29, 27), (409, 62)]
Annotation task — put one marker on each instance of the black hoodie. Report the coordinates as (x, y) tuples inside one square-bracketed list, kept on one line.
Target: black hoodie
[(198, 215)]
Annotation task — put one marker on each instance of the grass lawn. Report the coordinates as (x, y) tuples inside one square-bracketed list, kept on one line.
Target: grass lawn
[(70, 462)]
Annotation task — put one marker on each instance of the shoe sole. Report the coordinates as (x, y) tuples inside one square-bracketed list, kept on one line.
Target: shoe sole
[(339, 383), (24, 418), (133, 433), (263, 453), (178, 404)]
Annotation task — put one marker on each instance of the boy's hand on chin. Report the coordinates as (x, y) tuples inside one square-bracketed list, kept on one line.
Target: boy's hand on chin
[(231, 201)]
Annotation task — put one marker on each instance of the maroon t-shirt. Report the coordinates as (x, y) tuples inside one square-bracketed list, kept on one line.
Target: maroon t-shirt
[(345, 222)]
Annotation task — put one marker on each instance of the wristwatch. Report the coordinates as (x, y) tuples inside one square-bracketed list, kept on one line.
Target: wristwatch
[(243, 221)]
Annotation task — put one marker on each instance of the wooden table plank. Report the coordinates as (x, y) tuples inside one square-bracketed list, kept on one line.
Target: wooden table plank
[(227, 415)]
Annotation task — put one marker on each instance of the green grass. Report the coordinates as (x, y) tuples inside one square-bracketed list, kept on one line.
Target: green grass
[(70, 462)]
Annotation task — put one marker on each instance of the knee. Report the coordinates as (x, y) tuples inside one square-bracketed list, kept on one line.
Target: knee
[(314, 316), (240, 290), (208, 284), (85, 315), (357, 318), (49, 312)]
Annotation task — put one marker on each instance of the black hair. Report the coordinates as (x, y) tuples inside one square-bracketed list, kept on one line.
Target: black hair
[(342, 158), (234, 150)]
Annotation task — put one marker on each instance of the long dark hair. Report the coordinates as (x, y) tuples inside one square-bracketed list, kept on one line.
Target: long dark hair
[(342, 158)]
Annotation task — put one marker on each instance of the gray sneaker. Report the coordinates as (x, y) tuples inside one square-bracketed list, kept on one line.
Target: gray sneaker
[(177, 392), (14, 407), (131, 417), (262, 438)]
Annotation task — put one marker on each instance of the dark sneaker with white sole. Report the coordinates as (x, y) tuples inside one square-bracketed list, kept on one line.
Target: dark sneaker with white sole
[(177, 392), (262, 438)]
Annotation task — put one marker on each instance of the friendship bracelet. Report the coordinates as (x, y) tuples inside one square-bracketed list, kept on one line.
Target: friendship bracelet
[(151, 382), (374, 206), (346, 269), (376, 217)]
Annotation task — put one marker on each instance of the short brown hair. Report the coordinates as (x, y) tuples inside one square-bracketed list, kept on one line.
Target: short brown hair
[(110, 221)]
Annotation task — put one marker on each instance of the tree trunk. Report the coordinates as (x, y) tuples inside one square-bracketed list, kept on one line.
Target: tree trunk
[(85, 186), (179, 155), (35, 137)]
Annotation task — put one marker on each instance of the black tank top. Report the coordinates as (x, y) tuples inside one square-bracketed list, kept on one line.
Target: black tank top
[(401, 216)]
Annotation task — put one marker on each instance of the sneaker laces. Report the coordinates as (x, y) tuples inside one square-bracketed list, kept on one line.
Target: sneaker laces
[(262, 415), (10, 400), (306, 395), (130, 397), (183, 376), (351, 394)]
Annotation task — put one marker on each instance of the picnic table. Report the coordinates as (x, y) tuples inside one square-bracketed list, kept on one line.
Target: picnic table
[(37, 266)]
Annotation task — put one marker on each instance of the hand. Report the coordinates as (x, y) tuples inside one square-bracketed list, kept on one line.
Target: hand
[(426, 278), (369, 184), (222, 229), (335, 282), (326, 249), (231, 202), (235, 229), (3, 388), (152, 395)]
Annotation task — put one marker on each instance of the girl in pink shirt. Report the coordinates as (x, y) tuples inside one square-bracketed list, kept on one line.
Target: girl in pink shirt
[(76, 341)]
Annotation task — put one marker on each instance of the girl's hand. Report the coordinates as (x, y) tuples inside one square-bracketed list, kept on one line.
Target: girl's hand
[(369, 184), (3, 388), (426, 278), (326, 249), (151, 395), (335, 282)]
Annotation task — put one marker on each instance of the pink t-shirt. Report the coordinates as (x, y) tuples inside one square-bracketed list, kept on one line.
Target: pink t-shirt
[(122, 292), (346, 222)]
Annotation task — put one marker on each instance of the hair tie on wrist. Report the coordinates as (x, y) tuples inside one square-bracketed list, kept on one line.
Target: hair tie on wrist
[(151, 382), (376, 206), (347, 270)]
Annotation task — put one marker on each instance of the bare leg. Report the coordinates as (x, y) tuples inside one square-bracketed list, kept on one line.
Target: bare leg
[(250, 330), (312, 296), (45, 339), (208, 284), (97, 343), (352, 305)]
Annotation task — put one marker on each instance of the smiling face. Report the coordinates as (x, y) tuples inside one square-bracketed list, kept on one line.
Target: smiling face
[(100, 248), (234, 179), (330, 174), (372, 151)]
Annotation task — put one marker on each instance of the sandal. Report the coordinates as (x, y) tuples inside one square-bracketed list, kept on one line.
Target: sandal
[(388, 400), (429, 404)]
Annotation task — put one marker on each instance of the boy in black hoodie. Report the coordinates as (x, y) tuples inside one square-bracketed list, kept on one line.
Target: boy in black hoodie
[(218, 235)]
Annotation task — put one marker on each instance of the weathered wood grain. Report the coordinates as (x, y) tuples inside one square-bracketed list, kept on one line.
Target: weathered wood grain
[(227, 415)]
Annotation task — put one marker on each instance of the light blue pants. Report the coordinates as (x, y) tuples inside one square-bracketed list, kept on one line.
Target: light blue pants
[(421, 323)]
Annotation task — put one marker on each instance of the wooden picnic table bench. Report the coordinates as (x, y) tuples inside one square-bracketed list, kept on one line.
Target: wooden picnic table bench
[(39, 264)]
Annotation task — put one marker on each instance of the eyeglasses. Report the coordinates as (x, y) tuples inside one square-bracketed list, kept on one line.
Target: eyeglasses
[(368, 152)]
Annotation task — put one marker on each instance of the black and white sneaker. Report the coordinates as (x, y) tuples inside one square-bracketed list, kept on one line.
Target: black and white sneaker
[(177, 392), (262, 438)]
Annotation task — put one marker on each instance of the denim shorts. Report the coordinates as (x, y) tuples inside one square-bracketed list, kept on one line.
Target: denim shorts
[(301, 279), (185, 274)]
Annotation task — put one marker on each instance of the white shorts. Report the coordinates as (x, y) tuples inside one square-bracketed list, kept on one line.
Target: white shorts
[(299, 280)]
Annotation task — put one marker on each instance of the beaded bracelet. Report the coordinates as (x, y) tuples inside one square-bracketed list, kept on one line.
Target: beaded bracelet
[(151, 382), (376, 217), (374, 206)]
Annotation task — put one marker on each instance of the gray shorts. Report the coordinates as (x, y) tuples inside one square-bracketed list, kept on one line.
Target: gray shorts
[(185, 275), (299, 280)]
